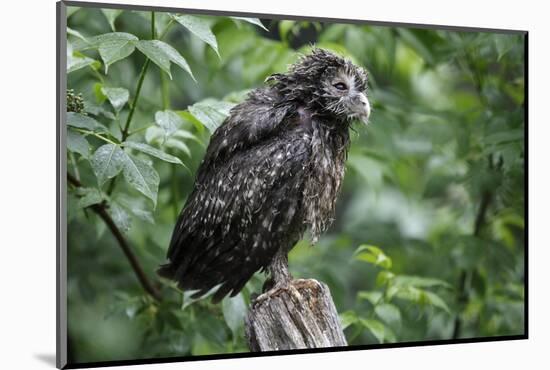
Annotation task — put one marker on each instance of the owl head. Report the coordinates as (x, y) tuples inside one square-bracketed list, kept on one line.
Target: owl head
[(326, 83)]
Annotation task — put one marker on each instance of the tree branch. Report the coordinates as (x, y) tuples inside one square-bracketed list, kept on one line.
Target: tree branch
[(101, 211), (479, 222), (486, 198)]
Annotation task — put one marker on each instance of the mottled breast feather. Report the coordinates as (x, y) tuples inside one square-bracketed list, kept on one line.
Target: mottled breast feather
[(329, 148)]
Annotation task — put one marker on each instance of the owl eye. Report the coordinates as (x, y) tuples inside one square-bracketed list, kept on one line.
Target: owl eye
[(340, 86)]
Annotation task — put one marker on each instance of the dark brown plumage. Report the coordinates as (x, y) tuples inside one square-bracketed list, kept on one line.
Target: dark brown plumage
[(271, 170)]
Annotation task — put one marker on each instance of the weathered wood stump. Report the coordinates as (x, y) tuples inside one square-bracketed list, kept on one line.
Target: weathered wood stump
[(300, 316)]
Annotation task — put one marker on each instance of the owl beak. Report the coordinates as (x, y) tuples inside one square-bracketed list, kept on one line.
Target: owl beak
[(362, 108)]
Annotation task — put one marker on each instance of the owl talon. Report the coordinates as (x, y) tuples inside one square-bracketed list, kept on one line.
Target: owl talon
[(275, 290)]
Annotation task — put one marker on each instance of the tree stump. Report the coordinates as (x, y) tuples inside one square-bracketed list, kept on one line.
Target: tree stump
[(300, 316)]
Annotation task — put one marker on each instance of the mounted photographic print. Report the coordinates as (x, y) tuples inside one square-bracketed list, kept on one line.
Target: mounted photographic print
[(235, 185)]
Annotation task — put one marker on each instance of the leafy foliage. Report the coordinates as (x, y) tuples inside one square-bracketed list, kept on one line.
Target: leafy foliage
[(428, 241), (383, 316)]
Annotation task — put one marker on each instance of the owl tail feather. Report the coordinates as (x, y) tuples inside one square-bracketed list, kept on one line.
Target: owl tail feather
[(166, 271)]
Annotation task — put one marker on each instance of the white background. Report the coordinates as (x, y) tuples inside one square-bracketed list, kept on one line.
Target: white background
[(27, 173)]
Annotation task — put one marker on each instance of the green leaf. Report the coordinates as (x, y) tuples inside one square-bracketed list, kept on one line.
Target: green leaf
[(265, 58), (179, 145), (172, 320), (254, 21), (112, 46), (162, 54), (75, 33), (155, 134), (233, 42), (234, 312), (421, 297), (100, 229), (107, 162), (284, 27), (389, 313), (504, 43), (420, 282), (505, 137), (113, 51), (90, 196), (147, 149), (76, 62), (134, 205), (373, 255), (77, 143), (111, 15), (80, 120), (71, 10), (177, 58), (373, 297), (415, 43), (141, 176), (211, 113), (117, 96), (200, 28), (143, 215), (153, 51), (169, 120), (96, 110), (94, 41), (436, 301), (183, 134), (379, 330), (99, 94), (120, 217), (185, 114), (384, 277), (348, 318)]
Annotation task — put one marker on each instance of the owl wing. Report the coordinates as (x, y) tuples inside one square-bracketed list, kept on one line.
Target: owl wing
[(240, 213), (250, 123)]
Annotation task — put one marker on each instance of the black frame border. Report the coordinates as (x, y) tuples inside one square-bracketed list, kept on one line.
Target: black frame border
[(61, 188)]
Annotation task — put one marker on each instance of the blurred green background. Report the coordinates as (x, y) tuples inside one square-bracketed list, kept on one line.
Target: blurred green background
[(428, 241)]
